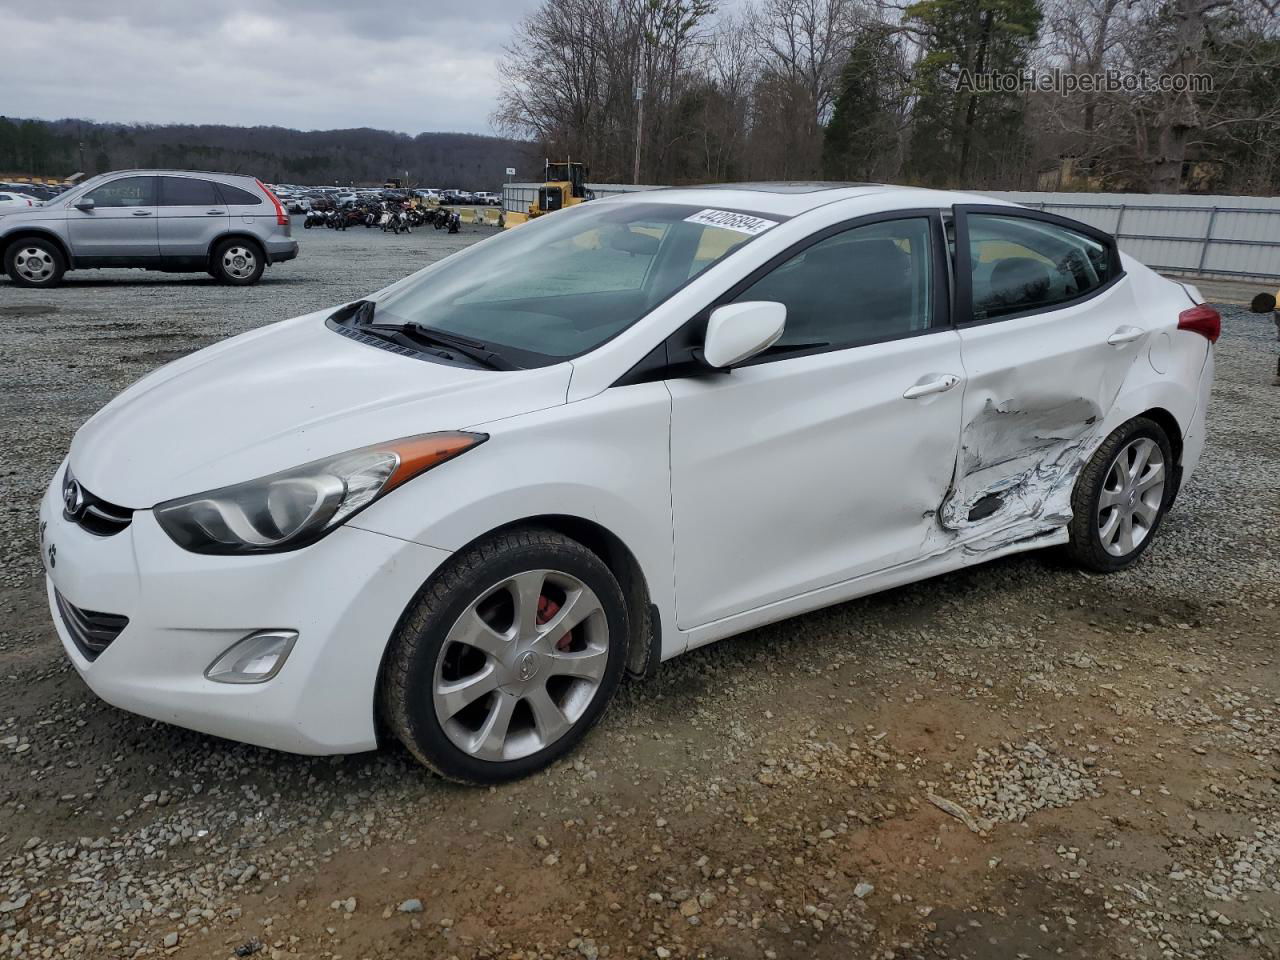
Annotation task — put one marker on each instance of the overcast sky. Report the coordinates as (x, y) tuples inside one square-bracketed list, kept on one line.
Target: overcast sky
[(409, 65)]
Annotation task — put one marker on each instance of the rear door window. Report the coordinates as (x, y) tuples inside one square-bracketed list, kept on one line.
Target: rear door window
[(187, 192), (1020, 264)]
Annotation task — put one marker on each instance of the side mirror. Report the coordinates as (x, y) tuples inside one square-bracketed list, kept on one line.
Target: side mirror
[(738, 331), (85, 204), (1263, 303)]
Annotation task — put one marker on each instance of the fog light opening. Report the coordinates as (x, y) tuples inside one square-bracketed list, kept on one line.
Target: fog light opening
[(255, 659)]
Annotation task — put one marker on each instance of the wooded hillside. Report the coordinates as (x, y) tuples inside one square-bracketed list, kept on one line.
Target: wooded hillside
[(58, 148)]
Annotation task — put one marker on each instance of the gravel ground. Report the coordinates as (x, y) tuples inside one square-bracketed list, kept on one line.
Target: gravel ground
[(1018, 760)]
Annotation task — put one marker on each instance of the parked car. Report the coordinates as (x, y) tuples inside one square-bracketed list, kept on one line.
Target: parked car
[(459, 510), (11, 202), (298, 204), (173, 220), (487, 199)]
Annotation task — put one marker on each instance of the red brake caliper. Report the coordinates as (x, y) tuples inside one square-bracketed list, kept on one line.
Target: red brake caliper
[(548, 608)]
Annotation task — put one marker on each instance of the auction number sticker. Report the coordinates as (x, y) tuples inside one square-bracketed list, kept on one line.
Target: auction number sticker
[(728, 220)]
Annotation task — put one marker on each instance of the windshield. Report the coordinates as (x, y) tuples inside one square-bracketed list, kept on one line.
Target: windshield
[(565, 283)]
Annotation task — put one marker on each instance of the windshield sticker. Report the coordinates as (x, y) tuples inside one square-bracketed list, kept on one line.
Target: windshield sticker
[(728, 220)]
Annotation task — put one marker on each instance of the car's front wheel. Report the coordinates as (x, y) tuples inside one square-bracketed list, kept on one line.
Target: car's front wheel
[(33, 262), (238, 262), (1121, 496), (506, 658)]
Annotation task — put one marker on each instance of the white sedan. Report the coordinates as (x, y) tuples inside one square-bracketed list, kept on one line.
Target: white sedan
[(458, 511), (12, 202)]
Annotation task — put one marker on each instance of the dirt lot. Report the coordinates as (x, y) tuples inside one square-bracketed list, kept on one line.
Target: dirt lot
[(1014, 761)]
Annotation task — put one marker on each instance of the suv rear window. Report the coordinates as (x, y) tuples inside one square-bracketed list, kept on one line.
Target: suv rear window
[(237, 197)]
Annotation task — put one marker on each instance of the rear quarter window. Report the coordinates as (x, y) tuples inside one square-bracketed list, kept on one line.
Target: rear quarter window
[(239, 198)]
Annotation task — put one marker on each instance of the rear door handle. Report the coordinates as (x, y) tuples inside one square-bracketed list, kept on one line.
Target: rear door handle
[(142, 213), (941, 385), (1125, 335), (216, 213)]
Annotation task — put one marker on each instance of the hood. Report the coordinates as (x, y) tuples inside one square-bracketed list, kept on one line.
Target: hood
[(278, 397), (18, 215)]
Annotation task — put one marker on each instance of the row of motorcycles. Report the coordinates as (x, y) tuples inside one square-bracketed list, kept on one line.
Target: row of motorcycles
[(390, 217)]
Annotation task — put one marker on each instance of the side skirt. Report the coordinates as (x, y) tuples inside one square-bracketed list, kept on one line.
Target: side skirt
[(954, 559)]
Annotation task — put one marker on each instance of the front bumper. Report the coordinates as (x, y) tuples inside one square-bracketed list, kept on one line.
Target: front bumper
[(343, 595)]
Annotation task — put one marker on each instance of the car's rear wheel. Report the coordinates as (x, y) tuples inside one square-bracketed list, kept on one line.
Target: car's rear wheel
[(32, 262), (507, 657), (238, 262), (1121, 496)]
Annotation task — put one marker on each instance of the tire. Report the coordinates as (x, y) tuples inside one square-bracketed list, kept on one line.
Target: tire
[(508, 688), (238, 262), (34, 262), (1108, 498)]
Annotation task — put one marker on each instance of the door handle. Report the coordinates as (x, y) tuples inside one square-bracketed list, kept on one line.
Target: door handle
[(142, 213), (216, 213), (941, 385), (1125, 335)]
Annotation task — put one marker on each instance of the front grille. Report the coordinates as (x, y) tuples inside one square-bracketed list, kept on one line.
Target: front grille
[(92, 513), (91, 631)]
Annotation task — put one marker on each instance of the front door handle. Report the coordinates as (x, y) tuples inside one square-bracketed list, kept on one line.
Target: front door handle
[(941, 385), (1125, 335), (142, 213)]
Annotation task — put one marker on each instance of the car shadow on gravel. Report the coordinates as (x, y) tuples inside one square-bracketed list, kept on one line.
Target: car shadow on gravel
[(720, 673)]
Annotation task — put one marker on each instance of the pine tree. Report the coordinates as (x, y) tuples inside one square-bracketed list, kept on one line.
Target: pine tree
[(860, 140), (959, 132)]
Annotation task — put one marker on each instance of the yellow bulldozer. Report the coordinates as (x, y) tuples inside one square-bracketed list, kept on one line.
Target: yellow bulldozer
[(565, 185)]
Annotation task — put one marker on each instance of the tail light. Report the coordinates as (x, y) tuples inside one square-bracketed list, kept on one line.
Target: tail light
[(1203, 320), (282, 218)]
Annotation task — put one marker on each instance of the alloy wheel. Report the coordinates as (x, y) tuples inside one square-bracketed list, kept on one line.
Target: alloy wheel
[(521, 665), (34, 264), (239, 262), (1131, 498)]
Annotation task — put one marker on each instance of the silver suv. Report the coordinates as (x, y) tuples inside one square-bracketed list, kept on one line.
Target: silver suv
[(174, 220)]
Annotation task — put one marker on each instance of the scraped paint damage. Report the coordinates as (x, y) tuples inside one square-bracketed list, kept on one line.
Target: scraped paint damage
[(1014, 473)]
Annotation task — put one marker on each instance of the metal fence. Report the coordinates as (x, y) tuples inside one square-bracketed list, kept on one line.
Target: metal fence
[(516, 197), (1212, 236)]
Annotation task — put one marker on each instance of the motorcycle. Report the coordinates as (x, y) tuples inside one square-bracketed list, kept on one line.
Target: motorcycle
[(315, 218), (397, 221)]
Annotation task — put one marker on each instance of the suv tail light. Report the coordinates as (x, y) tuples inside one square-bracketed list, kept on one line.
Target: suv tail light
[(1203, 320), (282, 218)]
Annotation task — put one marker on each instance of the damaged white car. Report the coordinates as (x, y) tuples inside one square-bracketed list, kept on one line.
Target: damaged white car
[(458, 511)]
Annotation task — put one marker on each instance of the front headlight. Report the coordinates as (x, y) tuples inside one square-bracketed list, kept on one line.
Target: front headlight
[(294, 508)]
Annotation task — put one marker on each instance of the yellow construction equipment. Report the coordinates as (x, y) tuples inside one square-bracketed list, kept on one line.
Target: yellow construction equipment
[(565, 185)]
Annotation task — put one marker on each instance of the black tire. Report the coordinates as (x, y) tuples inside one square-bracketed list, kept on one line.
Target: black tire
[(404, 700), (1085, 546), (238, 270), (24, 253)]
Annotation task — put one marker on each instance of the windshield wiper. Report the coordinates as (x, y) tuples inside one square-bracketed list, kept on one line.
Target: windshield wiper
[(362, 319)]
